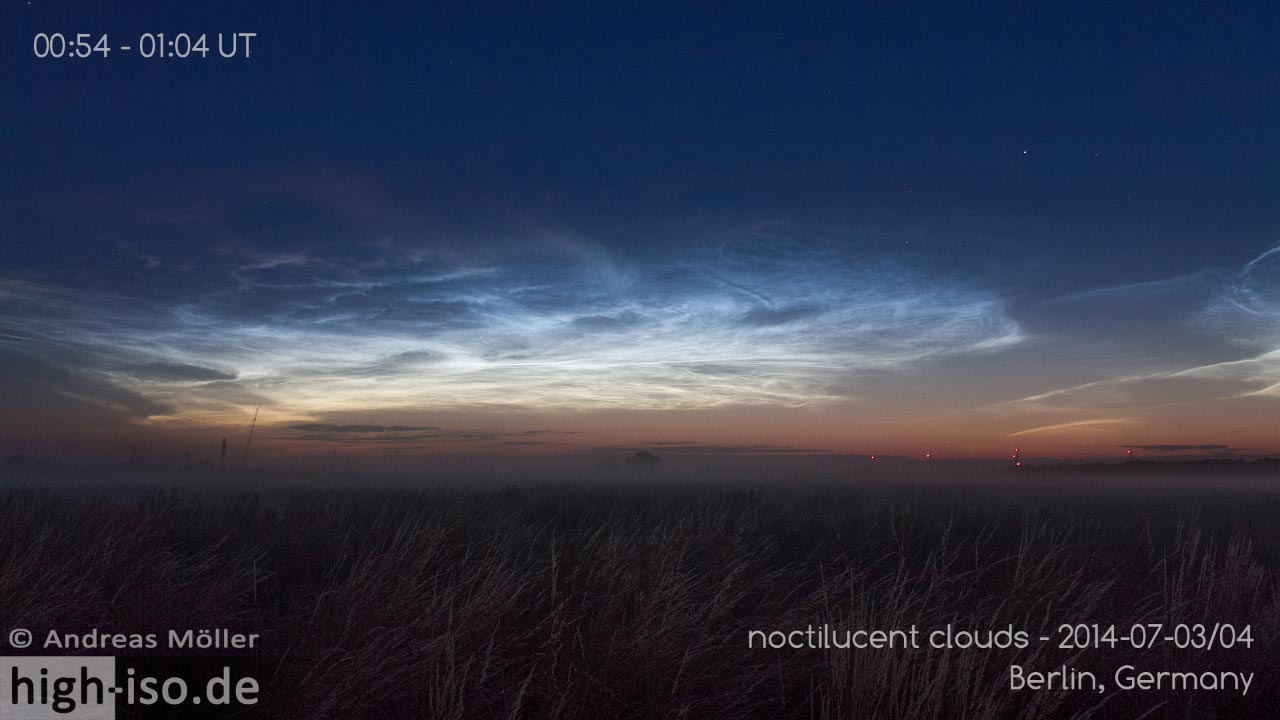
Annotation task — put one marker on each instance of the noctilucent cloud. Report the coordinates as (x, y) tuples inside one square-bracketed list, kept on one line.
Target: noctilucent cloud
[(845, 230)]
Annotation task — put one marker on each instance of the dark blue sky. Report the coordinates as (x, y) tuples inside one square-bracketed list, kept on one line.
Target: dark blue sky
[(866, 194)]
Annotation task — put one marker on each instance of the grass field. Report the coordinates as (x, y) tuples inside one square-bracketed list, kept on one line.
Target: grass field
[(635, 600)]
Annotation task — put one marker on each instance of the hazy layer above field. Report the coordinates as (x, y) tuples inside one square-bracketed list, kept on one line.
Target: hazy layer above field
[(671, 471)]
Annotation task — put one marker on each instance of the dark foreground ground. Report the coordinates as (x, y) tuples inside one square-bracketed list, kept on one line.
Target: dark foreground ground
[(590, 601)]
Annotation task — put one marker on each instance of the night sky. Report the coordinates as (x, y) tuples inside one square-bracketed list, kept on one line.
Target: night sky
[(756, 230)]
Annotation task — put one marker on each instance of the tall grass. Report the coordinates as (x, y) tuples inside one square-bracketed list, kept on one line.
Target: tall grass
[(586, 603)]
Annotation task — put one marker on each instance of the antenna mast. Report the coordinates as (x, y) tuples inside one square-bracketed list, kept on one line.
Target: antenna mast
[(252, 425)]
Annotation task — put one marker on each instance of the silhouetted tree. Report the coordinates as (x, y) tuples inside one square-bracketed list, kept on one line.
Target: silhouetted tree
[(644, 460)]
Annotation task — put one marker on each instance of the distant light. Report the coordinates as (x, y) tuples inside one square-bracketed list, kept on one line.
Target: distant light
[(1018, 464)]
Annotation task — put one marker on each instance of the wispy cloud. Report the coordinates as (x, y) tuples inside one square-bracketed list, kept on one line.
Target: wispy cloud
[(694, 448), (417, 436), (1146, 289), (1093, 424), (363, 429), (1248, 311), (1175, 447), (1244, 312), (570, 328), (175, 372)]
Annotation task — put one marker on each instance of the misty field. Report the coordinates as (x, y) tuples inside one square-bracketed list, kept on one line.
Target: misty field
[(592, 601)]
